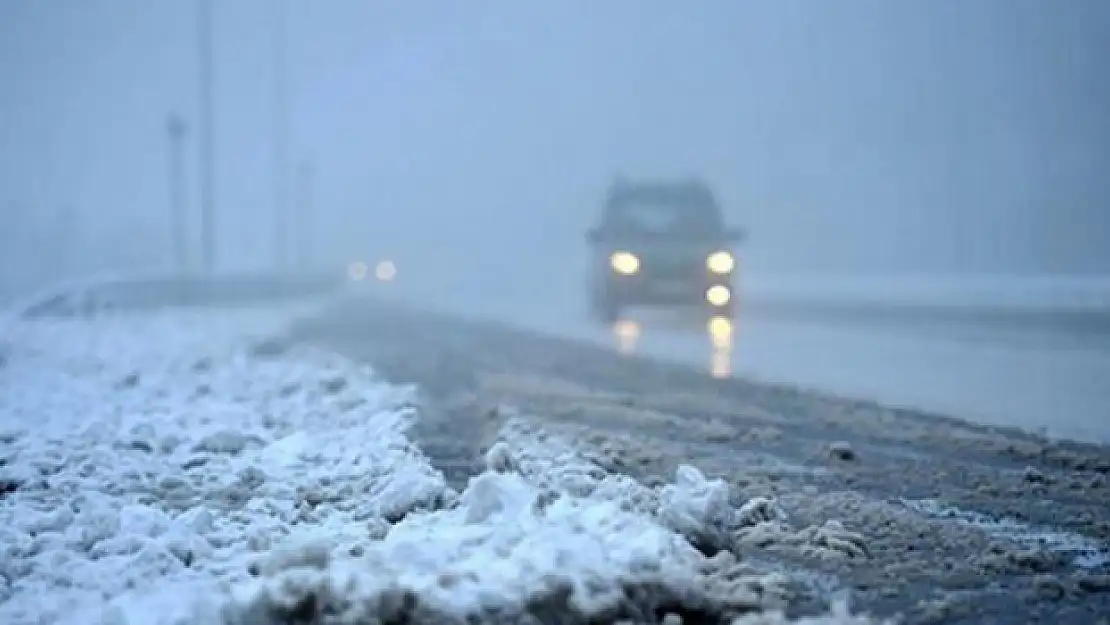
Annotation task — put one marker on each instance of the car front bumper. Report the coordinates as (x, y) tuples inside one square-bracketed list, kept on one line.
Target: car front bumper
[(657, 290)]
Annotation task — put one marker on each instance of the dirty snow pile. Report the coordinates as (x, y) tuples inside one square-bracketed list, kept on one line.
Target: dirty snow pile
[(184, 468)]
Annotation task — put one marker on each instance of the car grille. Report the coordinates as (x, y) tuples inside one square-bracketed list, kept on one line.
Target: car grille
[(677, 269)]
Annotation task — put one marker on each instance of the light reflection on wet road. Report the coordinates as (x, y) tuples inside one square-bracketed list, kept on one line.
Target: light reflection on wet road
[(1053, 382), (718, 345), (1053, 385)]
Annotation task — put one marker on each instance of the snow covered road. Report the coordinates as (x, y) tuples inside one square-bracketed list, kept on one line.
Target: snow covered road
[(195, 468), (939, 519)]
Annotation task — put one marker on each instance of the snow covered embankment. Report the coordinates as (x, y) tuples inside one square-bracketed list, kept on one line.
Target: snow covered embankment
[(162, 469)]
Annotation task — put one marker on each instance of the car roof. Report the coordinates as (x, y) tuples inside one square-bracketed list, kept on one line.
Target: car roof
[(691, 202), (690, 194)]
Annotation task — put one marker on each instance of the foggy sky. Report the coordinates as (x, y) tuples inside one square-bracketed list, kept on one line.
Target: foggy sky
[(475, 139)]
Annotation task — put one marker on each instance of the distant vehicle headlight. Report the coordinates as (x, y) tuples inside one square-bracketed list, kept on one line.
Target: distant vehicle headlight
[(625, 263), (720, 262), (718, 295), (385, 271), (357, 271)]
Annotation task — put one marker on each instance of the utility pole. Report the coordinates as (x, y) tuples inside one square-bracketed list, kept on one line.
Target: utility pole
[(207, 149), (282, 221), (175, 128), (305, 230)]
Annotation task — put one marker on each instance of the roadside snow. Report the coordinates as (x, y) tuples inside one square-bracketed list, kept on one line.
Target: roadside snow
[(170, 446), (542, 535), (190, 468)]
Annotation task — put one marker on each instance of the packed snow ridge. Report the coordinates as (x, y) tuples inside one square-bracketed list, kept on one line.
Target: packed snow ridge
[(190, 468)]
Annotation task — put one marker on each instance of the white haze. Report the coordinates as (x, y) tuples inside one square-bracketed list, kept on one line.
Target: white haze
[(472, 141)]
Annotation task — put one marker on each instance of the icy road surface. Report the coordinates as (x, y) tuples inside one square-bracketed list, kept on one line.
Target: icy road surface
[(1028, 353), (912, 513), (197, 468)]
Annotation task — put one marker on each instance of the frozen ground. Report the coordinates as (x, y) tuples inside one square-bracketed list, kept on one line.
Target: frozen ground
[(1026, 352), (197, 468), (935, 518)]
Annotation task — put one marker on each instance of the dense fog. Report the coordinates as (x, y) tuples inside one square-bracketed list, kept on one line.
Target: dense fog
[(473, 142)]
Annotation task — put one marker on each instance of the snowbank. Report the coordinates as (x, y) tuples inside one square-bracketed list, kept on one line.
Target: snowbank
[(511, 547), (170, 446), (181, 469), (543, 534)]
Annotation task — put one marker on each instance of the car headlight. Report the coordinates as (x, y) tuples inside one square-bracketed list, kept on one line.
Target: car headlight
[(624, 262), (718, 295), (385, 271), (357, 270), (720, 262)]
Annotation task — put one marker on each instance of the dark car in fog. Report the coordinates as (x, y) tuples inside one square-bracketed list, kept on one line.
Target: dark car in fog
[(661, 244)]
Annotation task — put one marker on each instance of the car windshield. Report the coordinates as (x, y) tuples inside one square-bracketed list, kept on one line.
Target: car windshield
[(664, 217), (654, 218)]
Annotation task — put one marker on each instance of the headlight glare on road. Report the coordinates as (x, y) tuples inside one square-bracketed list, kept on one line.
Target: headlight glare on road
[(627, 332), (720, 330), (720, 262), (718, 295), (624, 263)]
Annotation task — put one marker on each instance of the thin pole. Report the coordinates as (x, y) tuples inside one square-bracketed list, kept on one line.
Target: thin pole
[(281, 138), (207, 148), (175, 128)]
